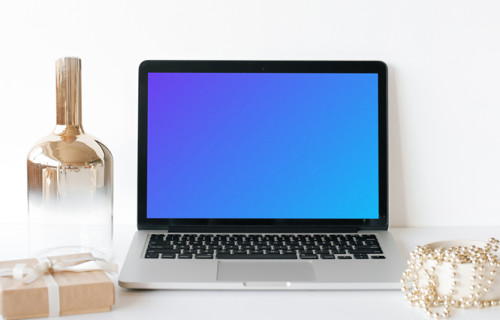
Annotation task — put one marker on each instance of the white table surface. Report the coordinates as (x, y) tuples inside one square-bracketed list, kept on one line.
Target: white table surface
[(166, 304)]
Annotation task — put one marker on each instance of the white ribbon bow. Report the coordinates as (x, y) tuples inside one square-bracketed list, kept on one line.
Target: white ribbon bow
[(21, 271)]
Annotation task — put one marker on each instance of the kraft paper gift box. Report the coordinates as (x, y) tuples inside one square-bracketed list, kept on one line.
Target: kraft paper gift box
[(55, 292)]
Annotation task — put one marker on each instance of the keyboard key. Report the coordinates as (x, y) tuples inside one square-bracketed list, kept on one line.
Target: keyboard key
[(378, 257), (308, 256), (344, 257), (154, 251), (168, 256), (327, 256), (154, 255), (185, 256), (171, 251), (255, 256), (360, 256), (204, 256)]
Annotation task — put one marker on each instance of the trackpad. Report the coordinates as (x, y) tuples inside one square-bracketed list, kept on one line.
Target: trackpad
[(265, 271)]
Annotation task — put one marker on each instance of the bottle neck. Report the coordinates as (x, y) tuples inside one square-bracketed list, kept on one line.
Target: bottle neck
[(68, 96)]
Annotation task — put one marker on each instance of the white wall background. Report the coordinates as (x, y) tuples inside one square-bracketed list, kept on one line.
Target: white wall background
[(443, 56)]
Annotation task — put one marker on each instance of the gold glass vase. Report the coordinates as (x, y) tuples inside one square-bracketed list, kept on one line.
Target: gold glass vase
[(70, 180)]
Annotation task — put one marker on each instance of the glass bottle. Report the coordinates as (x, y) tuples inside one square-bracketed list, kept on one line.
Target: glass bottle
[(70, 180)]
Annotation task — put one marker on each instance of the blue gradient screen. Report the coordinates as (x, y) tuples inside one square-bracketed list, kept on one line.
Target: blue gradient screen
[(262, 146)]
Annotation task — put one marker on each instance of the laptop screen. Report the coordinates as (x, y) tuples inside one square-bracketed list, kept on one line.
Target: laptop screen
[(262, 145)]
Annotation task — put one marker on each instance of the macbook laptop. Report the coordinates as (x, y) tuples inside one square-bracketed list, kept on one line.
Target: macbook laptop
[(262, 175)]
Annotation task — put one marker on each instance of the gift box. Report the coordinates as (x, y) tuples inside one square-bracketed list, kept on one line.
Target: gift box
[(62, 285)]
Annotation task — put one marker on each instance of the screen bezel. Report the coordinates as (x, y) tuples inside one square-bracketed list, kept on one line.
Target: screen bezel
[(264, 225)]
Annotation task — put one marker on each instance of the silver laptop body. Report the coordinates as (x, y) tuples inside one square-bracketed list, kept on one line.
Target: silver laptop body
[(260, 175)]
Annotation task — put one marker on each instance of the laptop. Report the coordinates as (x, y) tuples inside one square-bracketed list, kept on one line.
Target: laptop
[(257, 175)]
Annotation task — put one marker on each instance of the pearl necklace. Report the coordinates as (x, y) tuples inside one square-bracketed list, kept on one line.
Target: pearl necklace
[(420, 281)]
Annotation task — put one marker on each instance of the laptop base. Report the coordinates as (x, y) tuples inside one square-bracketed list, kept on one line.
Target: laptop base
[(215, 274)]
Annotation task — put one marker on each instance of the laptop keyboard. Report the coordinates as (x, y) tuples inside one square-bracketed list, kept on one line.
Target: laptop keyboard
[(267, 246)]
